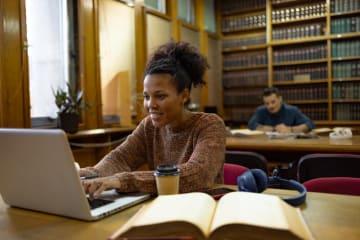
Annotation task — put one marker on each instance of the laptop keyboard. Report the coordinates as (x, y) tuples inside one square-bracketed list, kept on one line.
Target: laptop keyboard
[(95, 203)]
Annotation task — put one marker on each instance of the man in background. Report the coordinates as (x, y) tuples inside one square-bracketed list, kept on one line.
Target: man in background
[(277, 116)]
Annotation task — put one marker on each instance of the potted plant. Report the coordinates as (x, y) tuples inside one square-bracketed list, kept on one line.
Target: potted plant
[(70, 103)]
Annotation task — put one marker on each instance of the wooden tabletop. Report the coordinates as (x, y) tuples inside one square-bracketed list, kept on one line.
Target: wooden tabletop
[(329, 216), (321, 144)]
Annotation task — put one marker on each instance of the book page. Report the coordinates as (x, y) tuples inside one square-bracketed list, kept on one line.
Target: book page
[(259, 210), (196, 208), (245, 132), (277, 135), (322, 130), (249, 208)]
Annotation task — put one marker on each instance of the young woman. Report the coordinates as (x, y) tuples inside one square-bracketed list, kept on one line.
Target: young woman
[(169, 134)]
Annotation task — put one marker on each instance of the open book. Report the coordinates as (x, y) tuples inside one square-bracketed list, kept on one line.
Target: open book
[(277, 135), (245, 132), (237, 215)]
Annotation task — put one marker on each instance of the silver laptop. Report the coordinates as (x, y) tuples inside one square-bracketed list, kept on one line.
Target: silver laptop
[(37, 172)]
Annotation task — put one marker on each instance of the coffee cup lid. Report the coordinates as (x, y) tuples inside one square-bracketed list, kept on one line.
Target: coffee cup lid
[(166, 170)]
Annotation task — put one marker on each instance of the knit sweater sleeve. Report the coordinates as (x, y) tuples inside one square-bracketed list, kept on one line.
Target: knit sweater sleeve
[(205, 165), (125, 158)]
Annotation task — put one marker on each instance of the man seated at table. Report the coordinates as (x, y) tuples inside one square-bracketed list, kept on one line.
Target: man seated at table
[(275, 115)]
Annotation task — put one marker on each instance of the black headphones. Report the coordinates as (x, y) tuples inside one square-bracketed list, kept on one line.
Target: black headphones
[(256, 180)]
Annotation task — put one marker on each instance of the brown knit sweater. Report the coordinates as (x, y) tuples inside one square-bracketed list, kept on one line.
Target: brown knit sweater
[(197, 148)]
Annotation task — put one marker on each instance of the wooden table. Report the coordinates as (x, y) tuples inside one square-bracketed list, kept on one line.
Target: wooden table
[(329, 216), (321, 144), (285, 151)]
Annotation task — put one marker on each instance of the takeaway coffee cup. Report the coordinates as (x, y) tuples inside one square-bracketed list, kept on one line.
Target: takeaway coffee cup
[(167, 179)]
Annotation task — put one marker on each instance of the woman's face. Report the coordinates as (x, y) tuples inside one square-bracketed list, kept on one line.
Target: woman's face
[(162, 101)]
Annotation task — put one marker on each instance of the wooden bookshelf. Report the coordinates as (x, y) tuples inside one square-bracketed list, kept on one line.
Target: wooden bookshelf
[(245, 57), (312, 53)]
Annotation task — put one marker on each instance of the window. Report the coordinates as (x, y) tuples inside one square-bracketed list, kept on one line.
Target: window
[(210, 24), (186, 11), (159, 5), (53, 54)]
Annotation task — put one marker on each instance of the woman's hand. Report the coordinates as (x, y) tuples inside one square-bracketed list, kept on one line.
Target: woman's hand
[(94, 187)]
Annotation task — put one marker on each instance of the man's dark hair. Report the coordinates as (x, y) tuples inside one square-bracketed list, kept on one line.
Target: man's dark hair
[(271, 90)]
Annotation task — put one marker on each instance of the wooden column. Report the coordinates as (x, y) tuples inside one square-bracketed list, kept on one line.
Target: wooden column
[(89, 61), (14, 97), (140, 51)]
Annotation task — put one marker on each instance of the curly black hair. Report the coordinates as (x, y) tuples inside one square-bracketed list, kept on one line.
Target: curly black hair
[(180, 60)]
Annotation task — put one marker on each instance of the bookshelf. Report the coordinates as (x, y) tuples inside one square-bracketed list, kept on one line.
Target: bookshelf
[(310, 50), (245, 57)]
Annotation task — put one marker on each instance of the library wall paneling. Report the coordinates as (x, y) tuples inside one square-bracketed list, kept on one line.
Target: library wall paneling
[(311, 54)]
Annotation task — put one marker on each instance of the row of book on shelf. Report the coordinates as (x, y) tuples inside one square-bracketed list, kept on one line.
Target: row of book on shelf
[(343, 48), (243, 41), (236, 5), (301, 31), (234, 23), (306, 92), (251, 59), (348, 48), (346, 111), (245, 78), (340, 90), (338, 25), (299, 12), (346, 90), (345, 25), (336, 6), (237, 96), (339, 6), (348, 69), (300, 73), (315, 112), (311, 52)]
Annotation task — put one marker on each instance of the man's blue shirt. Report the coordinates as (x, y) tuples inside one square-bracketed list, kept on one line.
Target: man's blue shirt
[(289, 115)]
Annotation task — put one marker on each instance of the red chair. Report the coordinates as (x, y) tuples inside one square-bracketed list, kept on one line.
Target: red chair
[(337, 185), (231, 172)]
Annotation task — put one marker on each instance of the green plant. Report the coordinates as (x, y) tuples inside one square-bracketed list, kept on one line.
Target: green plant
[(70, 101)]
